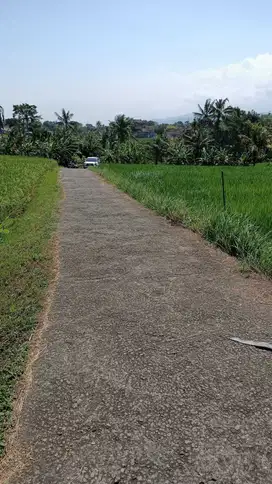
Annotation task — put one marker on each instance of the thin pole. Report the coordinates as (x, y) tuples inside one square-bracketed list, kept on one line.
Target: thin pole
[(223, 189)]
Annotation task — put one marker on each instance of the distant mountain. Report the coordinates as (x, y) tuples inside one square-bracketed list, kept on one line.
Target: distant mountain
[(175, 119)]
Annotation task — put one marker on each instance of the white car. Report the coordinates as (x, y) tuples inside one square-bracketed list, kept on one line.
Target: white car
[(91, 161)]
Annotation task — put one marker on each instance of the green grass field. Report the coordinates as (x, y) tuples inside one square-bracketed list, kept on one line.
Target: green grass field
[(29, 196), (193, 195)]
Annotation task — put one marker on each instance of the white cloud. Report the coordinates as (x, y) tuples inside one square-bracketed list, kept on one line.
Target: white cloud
[(153, 94), (248, 83)]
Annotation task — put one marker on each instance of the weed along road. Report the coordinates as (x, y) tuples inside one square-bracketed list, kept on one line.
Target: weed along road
[(137, 379)]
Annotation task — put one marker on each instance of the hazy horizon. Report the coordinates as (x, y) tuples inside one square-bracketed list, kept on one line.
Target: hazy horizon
[(149, 60)]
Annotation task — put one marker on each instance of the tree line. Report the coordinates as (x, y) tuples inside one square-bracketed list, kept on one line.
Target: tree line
[(220, 134)]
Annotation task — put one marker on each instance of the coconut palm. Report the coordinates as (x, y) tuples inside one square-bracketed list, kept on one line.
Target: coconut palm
[(99, 127), (221, 111), (2, 118), (122, 127), (197, 139), (221, 114), (25, 114), (206, 114), (64, 118)]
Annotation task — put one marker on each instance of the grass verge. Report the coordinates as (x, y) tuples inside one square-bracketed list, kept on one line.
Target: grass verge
[(25, 267), (193, 195)]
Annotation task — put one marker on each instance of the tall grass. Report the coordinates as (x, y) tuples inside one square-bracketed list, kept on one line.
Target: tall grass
[(29, 195), (193, 195), (18, 180)]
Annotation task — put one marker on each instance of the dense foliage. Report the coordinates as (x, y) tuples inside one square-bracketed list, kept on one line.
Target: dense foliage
[(219, 135)]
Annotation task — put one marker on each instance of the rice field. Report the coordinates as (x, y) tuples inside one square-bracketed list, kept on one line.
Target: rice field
[(29, 196), (193, 195), (18, 179)]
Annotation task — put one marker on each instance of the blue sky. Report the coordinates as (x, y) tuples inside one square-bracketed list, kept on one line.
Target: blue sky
[(145, 58)]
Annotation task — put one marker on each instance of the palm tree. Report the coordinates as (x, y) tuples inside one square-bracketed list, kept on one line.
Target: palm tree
[(197, 139), (221, 111), (206, 114), (100, 129), (99, 126), (122, 127), (64, 118), (2, 118), (105, 137), (25, 114)]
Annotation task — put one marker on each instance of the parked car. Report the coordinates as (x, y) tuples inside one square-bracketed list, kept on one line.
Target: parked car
[(91, 161)]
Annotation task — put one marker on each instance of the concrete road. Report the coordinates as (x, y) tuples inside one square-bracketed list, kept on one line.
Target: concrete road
[(137, 380)]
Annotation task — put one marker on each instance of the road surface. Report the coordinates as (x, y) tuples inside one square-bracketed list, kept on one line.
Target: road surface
[(137, 380)]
